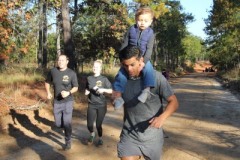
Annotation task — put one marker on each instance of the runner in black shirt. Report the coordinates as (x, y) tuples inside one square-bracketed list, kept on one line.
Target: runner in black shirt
[(64, 81), (96, 86)]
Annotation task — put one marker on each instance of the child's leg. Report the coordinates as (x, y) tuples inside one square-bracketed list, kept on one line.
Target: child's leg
[(149, 82), (118, 88), (120, 80), (148, 75)]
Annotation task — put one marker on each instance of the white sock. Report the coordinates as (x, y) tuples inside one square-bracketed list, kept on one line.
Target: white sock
[(147, 89), (93, 134)]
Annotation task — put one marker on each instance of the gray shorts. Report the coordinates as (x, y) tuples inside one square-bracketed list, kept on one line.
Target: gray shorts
[(150, 150)]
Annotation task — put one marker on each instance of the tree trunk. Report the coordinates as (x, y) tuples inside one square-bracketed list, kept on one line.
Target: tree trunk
[(58, 29), (67, 36), (44, 62), (40, 37)]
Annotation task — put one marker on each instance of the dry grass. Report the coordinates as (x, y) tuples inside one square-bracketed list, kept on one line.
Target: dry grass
[(233, 75), (231, 79), (19, 78), (20, 74)]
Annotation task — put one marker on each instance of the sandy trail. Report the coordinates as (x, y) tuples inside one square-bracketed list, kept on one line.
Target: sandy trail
[(206, 127)]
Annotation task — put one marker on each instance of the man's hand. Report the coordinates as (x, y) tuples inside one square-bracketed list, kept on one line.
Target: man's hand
[(101, 91), (87, 92), (95, 88), (171, 107), (65, 93), (49, 96), (156, 122)]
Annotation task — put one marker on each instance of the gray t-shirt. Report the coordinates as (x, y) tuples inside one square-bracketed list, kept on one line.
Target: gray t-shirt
[(137, 115)]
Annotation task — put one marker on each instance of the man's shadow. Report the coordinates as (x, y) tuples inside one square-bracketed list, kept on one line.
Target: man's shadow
[(48, 122), (24, 121), (41, 148)]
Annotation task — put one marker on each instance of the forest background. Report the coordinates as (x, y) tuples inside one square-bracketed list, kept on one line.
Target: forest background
[(34, 32)]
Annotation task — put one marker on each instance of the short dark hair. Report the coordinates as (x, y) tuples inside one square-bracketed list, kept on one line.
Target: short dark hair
[(62, 54), (129, 52)]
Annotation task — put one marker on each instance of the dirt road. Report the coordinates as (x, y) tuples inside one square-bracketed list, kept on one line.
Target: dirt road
[(206, 127)]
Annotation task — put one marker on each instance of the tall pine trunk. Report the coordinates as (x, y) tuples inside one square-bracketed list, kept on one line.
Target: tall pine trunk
[(42, 41), (58, 29), (40, 38), (67, 35), (44, 63)]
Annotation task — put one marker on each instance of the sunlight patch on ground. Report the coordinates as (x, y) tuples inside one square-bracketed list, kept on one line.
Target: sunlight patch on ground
[(187, 91)]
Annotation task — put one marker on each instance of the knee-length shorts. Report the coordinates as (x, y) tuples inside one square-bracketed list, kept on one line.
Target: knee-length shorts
[(149, 150)]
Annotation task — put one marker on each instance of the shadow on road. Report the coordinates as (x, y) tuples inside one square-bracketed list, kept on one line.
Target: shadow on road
[(23, 141)]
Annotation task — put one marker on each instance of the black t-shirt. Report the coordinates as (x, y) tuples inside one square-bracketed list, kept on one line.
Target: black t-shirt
[(100, 82), (62, 81)]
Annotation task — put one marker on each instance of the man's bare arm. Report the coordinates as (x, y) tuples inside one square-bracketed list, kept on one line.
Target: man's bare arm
[(47, 87), (171, 107)]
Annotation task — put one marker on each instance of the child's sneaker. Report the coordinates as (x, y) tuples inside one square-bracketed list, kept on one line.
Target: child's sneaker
[(118, 103), (143, 96), (91, 139)]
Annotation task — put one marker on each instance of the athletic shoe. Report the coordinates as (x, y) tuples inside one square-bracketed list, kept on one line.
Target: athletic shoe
[(91, 139), (100, 142), (143, 96), (118, 103), (67, 146)]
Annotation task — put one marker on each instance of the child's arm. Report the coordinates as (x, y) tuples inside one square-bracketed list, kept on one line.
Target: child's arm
[(149, 51)]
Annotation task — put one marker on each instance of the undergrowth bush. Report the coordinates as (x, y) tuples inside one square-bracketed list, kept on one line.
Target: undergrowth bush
[(233, 74), (231, 78), (17, 74)]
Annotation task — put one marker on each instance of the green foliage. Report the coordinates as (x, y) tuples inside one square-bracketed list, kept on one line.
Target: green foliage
[(194, 48), (99, 36), (52, 47), (97, 29), (223, 30), (170, 30)]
